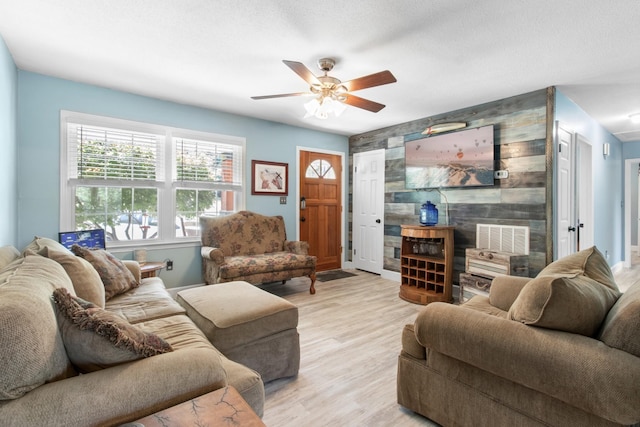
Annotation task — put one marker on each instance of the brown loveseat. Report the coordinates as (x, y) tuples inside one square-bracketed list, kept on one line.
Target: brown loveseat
[(253, 248), (562, 349), (48, 377)]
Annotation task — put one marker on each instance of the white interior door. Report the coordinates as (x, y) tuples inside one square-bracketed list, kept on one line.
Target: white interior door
[(631, 208), (565, 194), (368, 211), (584, 194)]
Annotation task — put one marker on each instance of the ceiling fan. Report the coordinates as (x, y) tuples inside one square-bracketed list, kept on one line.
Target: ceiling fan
[(330, 94)]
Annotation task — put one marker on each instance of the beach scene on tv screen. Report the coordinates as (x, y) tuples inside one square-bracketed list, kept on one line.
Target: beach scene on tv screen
[(456, 159)]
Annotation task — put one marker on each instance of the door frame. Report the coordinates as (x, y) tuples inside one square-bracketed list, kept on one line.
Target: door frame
[(627, 210), (342, 156)]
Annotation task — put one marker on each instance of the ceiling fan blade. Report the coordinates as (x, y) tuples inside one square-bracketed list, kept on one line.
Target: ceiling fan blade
[(282, 95), (300, 69), (365, 104), (377, 79)]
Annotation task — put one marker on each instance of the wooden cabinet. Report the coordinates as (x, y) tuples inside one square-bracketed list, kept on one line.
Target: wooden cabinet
[(426, 264)]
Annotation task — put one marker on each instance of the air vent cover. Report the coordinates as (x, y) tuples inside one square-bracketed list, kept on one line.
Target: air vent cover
[(503, 238)]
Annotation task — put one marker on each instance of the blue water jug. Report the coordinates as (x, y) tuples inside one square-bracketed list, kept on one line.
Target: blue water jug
[(428, 214)]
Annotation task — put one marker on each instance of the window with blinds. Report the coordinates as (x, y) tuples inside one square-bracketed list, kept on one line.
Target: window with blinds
[(142, 182), (207, 161), (97, 153)]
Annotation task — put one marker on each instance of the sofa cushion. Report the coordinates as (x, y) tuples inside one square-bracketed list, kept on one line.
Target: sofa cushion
[(572, 304), (588, 262), (115, 276), (620, 328), (242, 266), (8, 254), (86, 280), (244, 233), (31, 348), (96, 339), (39, 243), (148, 301)]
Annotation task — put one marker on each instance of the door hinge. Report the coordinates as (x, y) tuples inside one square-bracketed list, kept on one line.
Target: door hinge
[(355, 169)]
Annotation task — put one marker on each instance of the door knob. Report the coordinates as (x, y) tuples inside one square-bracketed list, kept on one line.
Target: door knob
[(378, 220), (302, 219), (572, 228)]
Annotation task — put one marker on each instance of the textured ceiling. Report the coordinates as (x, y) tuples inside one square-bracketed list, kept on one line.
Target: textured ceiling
[(445, 54)]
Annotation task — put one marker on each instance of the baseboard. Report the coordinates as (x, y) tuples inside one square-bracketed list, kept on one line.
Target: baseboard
[(386, 274), (391, 275)]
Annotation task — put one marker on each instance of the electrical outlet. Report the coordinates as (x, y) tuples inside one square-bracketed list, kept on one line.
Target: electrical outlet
[(169, 265), (501, 174)]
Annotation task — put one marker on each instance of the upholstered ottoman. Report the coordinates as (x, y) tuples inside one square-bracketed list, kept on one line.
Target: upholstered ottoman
[(248, 325)]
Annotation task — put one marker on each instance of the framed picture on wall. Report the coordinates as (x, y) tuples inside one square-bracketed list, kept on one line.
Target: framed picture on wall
[(269, 178)]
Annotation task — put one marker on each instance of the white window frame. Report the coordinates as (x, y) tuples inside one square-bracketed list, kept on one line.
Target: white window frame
[(166, 188)]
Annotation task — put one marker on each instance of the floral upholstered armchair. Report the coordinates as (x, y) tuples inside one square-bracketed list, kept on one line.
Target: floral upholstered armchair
[(254, 248)]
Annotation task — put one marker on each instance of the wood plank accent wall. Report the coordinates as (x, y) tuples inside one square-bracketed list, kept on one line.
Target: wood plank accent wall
[(523, 139)]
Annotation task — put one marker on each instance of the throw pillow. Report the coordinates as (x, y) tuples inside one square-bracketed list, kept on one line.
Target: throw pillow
[(620, 328), (589, 262), (96, 339), (40, 242), (115, 276), (86, 280), (572, 304)]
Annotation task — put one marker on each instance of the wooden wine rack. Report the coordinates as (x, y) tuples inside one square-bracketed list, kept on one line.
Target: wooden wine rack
[(426, 277)]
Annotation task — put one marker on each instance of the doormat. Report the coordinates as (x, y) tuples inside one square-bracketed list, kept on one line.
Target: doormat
[(326, 276)]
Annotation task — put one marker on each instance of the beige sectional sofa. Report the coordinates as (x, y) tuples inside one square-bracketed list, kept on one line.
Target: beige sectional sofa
[(39, 384), (562, 349)]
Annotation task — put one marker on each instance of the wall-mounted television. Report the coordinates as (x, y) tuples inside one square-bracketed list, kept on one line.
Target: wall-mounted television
[(457, 159), (92, 239)]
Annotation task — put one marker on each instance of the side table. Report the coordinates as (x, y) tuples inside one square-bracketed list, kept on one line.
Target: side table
[(150, 269), (218, 408)]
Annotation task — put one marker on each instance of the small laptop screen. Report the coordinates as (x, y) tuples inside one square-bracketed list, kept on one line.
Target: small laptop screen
[(93, 239)]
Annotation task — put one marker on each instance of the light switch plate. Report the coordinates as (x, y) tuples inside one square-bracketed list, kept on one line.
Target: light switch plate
[(283, 200)]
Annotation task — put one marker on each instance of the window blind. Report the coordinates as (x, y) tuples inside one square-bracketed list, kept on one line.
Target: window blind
[(105, 154), (208, 162)]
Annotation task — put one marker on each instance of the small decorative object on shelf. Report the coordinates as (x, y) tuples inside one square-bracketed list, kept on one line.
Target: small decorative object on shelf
[(428, 214)]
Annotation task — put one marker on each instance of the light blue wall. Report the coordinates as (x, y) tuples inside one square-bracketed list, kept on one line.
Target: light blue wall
[(631, 150), (608, 178), (40, 100), (8, 147)]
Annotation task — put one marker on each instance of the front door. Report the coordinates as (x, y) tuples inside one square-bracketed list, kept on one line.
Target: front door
[(321, 207)]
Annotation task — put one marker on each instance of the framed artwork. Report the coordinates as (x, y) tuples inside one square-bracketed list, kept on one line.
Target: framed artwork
[(269, 178)]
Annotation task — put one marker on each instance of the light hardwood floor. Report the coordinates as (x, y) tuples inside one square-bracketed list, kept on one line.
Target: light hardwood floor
[(350, 338)]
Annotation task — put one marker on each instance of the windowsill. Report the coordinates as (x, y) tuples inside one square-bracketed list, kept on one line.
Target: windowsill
[(153, 245)]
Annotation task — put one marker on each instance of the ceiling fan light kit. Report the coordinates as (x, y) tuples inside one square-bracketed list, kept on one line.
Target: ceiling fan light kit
[(330, 93), (322, 107)]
